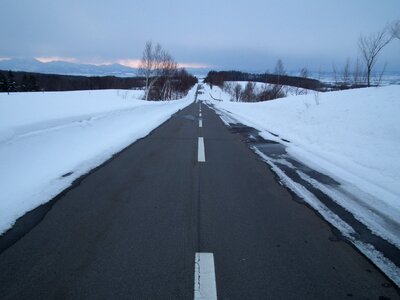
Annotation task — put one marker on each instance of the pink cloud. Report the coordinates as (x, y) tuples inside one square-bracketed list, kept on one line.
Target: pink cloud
[(56, 58)]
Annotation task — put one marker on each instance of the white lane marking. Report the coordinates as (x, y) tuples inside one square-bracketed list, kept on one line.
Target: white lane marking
[(201, 156), (200, 123), (205, 286), (200, 115)]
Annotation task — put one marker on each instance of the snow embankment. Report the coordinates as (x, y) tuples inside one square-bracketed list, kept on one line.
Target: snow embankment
[(260, 86), (353, 135), (228, 94), (47, 140)]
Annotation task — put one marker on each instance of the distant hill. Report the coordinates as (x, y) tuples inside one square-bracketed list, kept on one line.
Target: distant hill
[(66, 68)]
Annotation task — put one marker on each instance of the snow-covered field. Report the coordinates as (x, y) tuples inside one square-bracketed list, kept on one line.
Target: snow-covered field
[(47, 140), (227, 93), (260, 86)]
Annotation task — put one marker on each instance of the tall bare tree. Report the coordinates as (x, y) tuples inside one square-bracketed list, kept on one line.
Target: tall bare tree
[(248, 94), (346, 73), (168, 69), (279, 71), (370, 46), (358, 73), (150, 65), (237, 92), (158, 67), (304, 72)]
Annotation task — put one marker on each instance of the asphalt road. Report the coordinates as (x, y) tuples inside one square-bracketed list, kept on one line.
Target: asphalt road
[(131, 229)]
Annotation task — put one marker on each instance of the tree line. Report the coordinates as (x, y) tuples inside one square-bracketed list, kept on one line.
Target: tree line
[(26, 83), (219, 77), (274, 85), (31, 82)]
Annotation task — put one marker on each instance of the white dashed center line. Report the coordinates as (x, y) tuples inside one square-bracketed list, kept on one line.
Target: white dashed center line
[(201, 155), (200, 123), (205, 286)]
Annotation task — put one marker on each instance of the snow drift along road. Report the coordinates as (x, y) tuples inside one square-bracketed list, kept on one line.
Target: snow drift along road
[(353, 133), (49, 139)]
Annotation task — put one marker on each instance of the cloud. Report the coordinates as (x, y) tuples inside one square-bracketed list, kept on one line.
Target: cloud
[(56, 58), (134, 63)]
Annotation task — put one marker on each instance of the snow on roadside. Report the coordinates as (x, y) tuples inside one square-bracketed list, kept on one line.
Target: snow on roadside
[(356, 130), (214, 93), (352, 136), (44, 136), (226, 94), (260, 86)]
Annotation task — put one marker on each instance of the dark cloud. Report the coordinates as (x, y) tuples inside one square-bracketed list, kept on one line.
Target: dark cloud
[(235, 34)]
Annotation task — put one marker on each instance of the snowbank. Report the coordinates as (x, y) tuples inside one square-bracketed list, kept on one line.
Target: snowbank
[(259, 87), (44, 136), (216, 93), (352, 135)]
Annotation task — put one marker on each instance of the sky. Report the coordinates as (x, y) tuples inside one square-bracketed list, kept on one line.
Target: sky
[(220, 34)]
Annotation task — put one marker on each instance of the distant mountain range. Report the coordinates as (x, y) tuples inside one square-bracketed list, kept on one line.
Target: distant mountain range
[(66, 68)]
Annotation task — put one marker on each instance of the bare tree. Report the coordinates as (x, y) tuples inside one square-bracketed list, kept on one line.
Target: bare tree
[(379, 79), (227, 87), (357, 73), (167, 69), (370, 46), (237, 92), (158, 67), (342, 77), (150, 65), (279, 71), (335, 75), (277, 91), (346, 73), (395, 29), (304, 72), (248, 93)]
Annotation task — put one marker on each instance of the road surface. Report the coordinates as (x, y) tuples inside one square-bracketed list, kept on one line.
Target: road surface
[(174, 216)]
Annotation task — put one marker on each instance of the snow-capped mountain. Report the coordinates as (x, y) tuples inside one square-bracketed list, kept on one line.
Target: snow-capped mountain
[(66, 68)]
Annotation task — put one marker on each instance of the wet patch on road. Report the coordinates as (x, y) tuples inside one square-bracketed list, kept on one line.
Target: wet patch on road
[(186, 117)]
